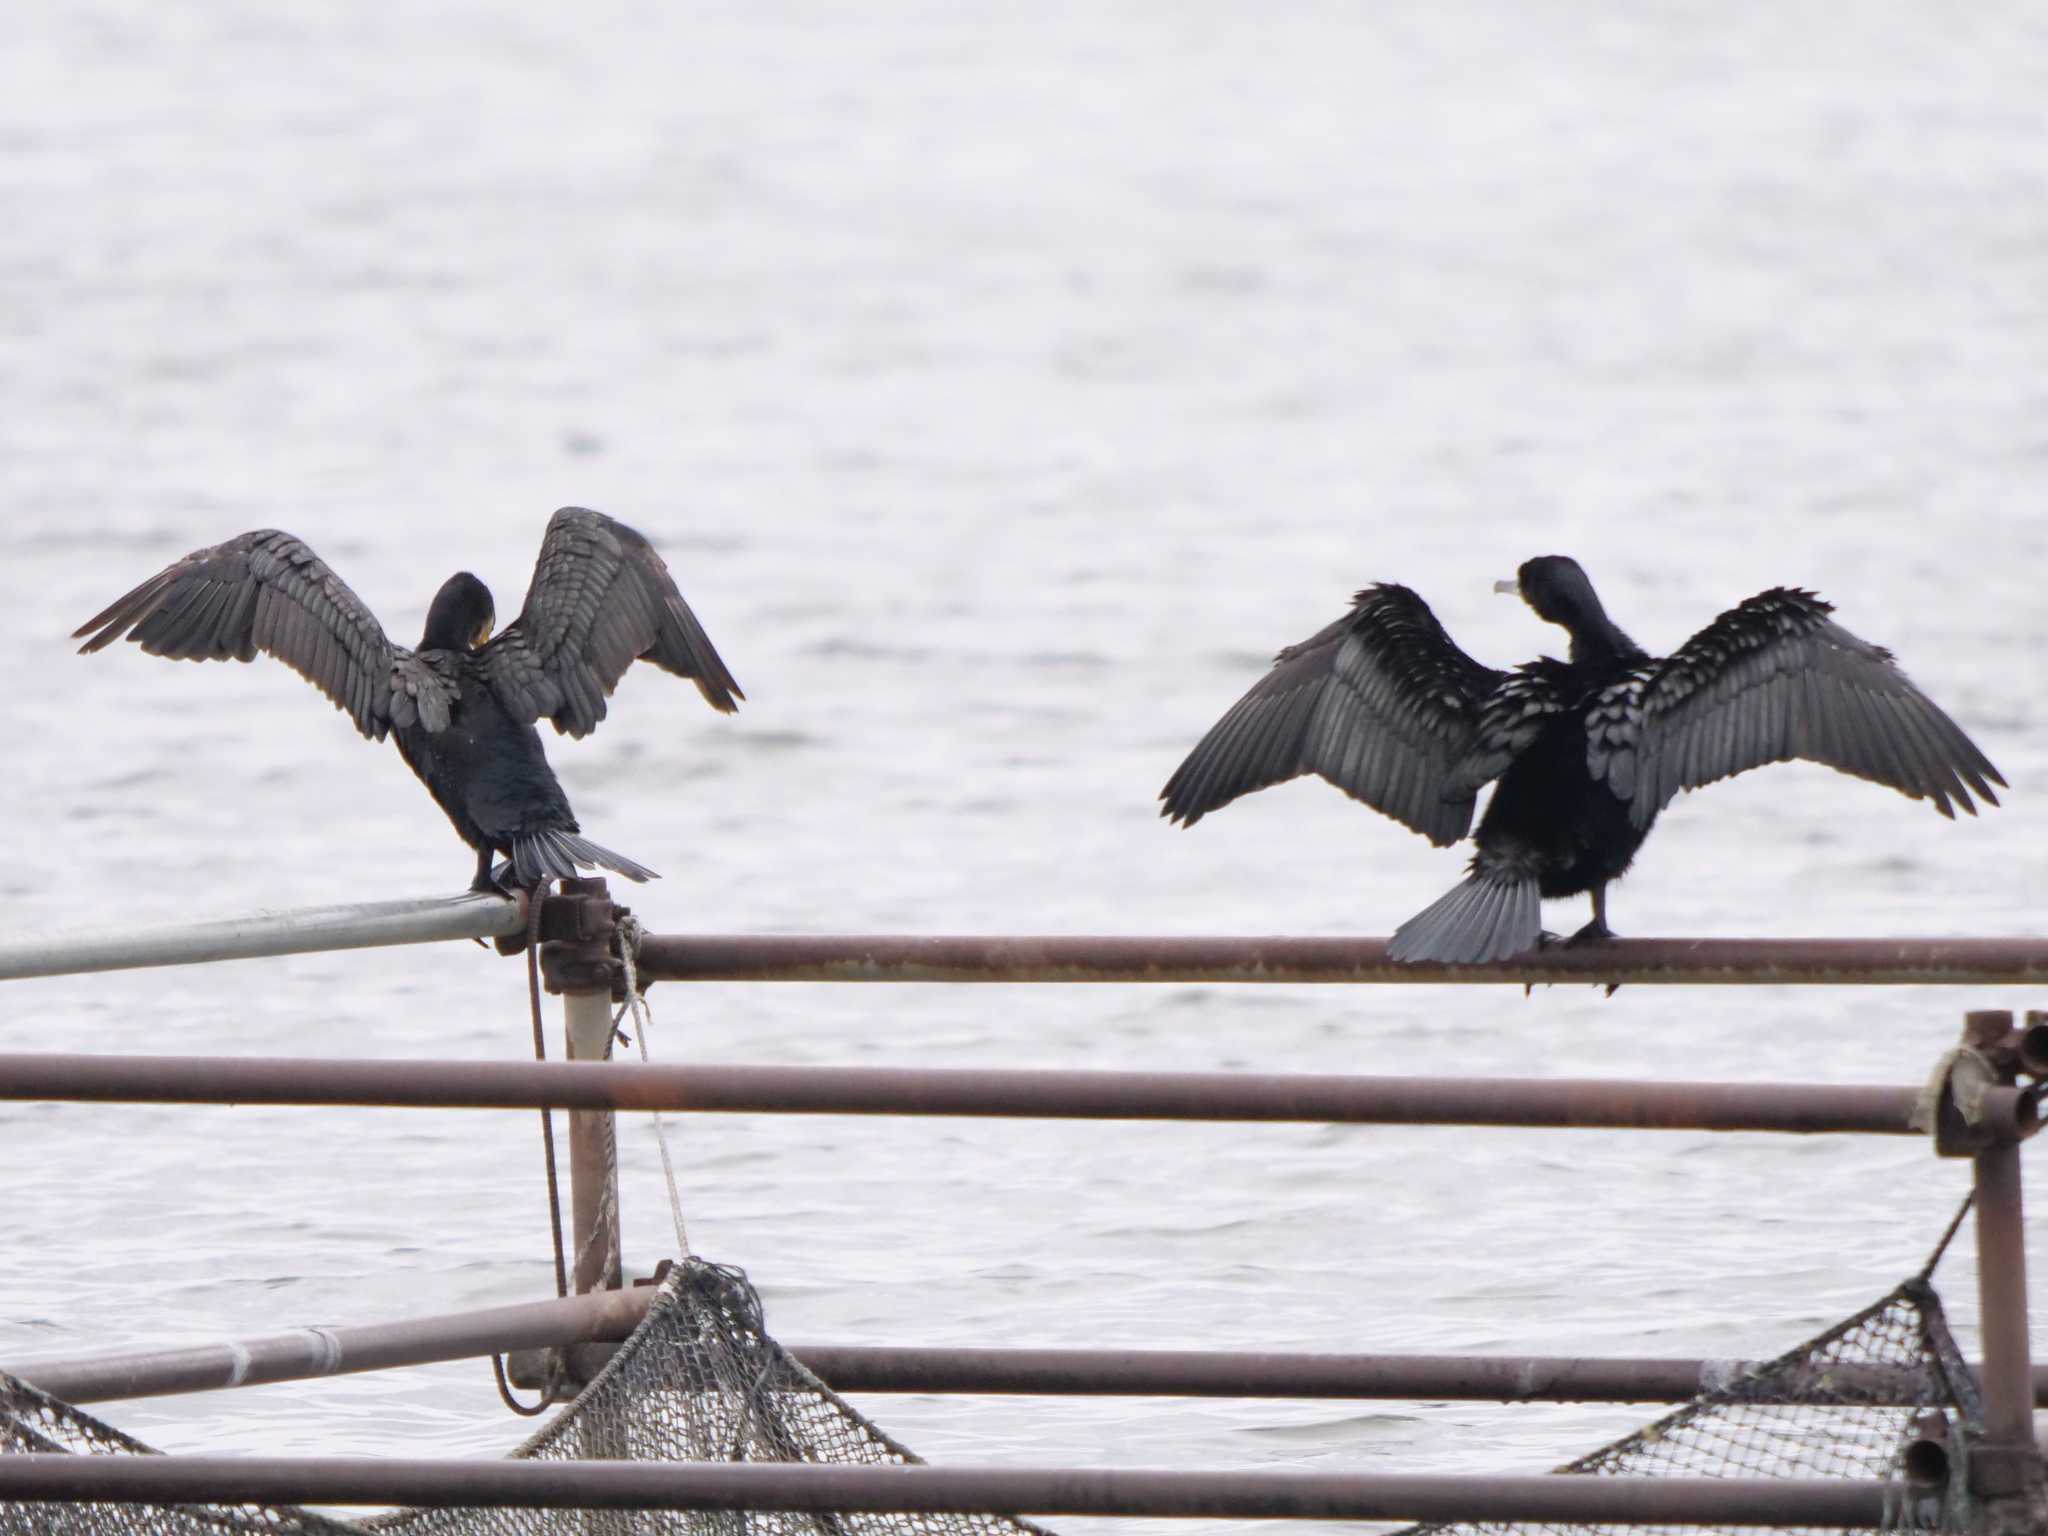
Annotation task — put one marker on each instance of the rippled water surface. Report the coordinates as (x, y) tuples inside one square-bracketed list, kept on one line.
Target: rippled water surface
[(1004, 386)]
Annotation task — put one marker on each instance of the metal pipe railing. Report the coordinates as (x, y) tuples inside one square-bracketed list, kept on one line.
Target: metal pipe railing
[(1159, 1493), (609, 1316), (305, 1354), (1020, 1372), (305, 930), (595, 1256), (1082, 958), (1048, 958), (2008, 1461), (579, 925), (1031, 1094)]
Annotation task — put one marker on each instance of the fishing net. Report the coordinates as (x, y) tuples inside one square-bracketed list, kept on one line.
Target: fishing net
[(699, 1380), (1847, 1403)]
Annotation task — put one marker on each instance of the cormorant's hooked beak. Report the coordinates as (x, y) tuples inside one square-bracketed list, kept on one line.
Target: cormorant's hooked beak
[(483, 633), (1509, 587)]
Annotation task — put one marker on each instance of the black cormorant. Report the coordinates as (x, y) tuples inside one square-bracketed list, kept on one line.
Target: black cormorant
[(462, 707), (1587, 751)]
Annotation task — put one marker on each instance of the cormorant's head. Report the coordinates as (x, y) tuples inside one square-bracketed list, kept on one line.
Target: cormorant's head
[(461, 616), (1557, 589)]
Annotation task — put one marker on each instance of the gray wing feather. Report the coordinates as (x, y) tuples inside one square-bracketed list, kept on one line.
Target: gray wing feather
[(1770, 680), (266, 592), (1381, 703), (1511, 718), (601, 599)]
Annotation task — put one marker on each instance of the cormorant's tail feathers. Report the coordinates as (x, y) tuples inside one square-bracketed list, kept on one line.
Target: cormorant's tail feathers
[(556, 855), (1488, 916)]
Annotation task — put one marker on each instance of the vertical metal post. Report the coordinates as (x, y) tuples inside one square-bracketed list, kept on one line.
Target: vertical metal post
[(584, 972), (2002, 1291), (581, 971), (2005, 1471), (593, 1154)]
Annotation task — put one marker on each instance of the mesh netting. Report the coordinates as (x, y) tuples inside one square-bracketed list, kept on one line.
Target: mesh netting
[(699, 1380), (1845, 1404)]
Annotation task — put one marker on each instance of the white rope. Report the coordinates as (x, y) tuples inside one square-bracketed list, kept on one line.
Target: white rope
[(630, 934), (606, 1223)]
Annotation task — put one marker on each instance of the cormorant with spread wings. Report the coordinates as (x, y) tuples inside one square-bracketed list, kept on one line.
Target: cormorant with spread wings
[(462, 707), (1587, 751)]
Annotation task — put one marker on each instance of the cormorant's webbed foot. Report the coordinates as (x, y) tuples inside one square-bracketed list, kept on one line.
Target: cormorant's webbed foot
[(1595, 932), (493, 881)]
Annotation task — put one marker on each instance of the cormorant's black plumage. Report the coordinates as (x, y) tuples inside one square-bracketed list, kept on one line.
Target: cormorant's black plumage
[(463, 706), (1587, 750)]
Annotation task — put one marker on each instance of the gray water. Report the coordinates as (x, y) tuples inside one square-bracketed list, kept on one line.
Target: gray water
[(1004, 385)]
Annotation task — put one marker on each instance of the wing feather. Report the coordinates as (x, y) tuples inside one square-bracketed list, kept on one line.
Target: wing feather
[(266, 591), (1511, 718), (1773, 679), (601, 599), (1381, 703)]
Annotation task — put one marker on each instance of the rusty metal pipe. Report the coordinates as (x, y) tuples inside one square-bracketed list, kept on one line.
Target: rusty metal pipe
[(2005, 1470), (609, 1316), (1030, 1094), (1161, 1493), (1928, 1457), (2002, 1293), (1073, 958), (593, 1155), (1220, 1373), (2032, 1045)]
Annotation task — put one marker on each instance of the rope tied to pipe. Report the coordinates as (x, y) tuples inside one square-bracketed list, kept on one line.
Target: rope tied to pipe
[(534, 899), (630, 936)]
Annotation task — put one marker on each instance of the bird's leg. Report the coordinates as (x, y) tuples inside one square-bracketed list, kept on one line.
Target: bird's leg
[(1597, 930), (483, 884)]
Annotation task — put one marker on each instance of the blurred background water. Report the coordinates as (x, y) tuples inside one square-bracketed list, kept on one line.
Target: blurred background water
[(1004, 385)]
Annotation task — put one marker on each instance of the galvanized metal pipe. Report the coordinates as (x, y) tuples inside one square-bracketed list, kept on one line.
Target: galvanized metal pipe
[(1074, 958), (308, 1353), (359, 925), (1219, 1096), (1159, 1493)]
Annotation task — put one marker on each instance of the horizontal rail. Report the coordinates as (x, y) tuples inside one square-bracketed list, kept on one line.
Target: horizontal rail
[(307, 1353), (1047, 958), (1259, 1374), (1068, 958), (1160, 1493), (609, 1316), (304, 930), (1216, 1096)]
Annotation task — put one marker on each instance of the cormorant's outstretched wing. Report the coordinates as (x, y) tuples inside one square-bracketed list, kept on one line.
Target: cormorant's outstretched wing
[(1381, 703), (1773, 679), (601, 599), (266, 591)]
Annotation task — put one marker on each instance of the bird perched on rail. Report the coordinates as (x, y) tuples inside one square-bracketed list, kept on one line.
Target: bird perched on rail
[(462, 707), (1587, 751)]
